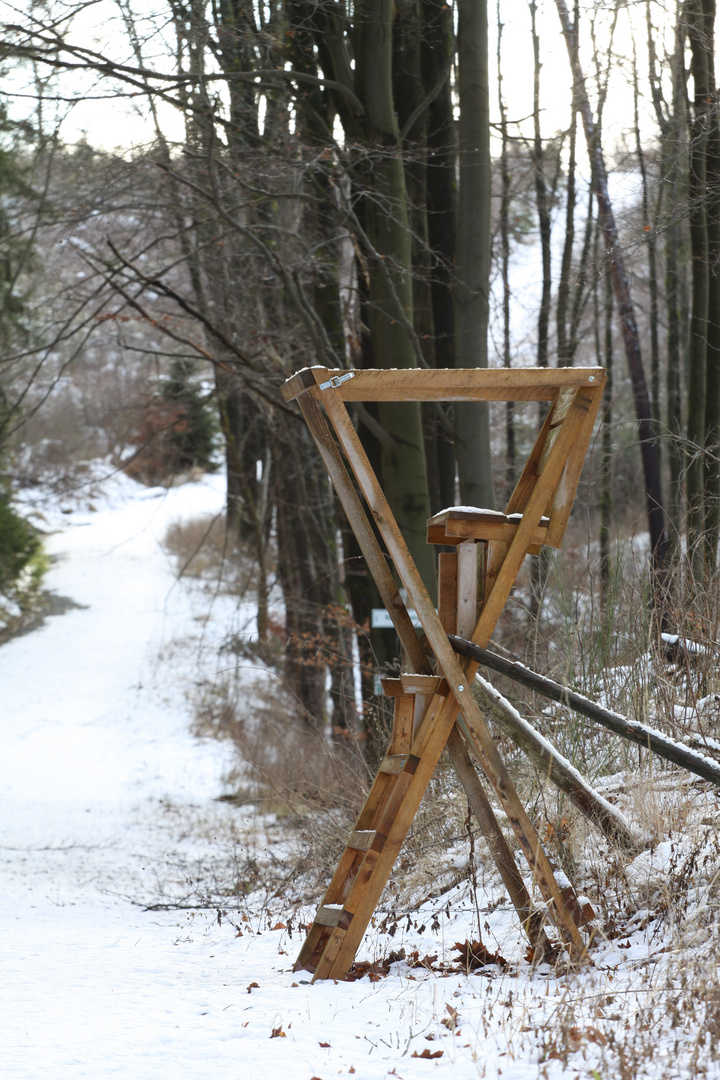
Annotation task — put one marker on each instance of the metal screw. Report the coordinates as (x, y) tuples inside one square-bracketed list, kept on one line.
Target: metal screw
[(591, 378), (461, 687)]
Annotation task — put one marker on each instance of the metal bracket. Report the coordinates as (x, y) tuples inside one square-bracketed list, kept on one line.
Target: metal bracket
[(336, 381)]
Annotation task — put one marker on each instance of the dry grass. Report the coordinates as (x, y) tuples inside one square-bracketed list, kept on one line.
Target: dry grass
[(203, 548), (316, 784)]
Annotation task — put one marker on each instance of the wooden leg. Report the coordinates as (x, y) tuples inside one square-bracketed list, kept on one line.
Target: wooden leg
[(467, 587), (531, 919), (447, 590)]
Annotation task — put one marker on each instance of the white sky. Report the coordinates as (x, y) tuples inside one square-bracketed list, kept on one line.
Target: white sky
[(119, 123)]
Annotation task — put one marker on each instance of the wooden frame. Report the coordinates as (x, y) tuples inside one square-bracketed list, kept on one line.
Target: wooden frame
[(546, 489)]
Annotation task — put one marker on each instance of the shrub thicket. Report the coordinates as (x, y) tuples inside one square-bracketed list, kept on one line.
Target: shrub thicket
[(18, 544)]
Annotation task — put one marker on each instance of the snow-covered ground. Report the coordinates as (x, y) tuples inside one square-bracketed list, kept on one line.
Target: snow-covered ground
[(106, 797)]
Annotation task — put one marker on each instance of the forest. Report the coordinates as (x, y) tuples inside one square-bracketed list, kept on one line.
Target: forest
[(201, 198), (350, 188)]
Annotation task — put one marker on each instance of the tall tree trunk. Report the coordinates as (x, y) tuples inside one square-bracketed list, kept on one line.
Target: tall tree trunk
[(606, 483), (510, 465), (697, 34), (623, 299), (670, 121), (649, 224), (409, 94), (542, 202), (539, 567), (472, 424), (437, 44), (404, 471), (712, 358), (566, 342)]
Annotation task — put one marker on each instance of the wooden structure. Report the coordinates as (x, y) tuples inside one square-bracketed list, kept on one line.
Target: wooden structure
[(433, 703)]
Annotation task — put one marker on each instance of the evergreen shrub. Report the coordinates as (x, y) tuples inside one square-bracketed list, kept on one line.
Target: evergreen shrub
[(18, 544)]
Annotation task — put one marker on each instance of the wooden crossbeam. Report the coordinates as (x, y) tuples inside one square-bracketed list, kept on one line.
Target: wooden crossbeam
[(436, 384)]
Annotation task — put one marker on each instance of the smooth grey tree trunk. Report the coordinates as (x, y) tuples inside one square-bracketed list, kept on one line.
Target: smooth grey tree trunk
[(472, 424)]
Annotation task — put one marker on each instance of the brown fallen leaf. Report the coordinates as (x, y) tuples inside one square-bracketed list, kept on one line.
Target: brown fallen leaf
[(450, 1021), (324, 1045), (473, 954), (427, 962), (280, 926), (253, 986), (374, 972), (278, 1033), (427, 1054)]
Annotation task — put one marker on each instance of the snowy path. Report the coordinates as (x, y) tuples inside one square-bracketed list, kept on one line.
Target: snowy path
[(100, 778), (104, 794)]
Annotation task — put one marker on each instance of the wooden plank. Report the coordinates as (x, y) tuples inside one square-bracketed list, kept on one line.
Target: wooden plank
[(531, 470), (392, 687), (361, 839), (368, 813), (312, 948), (402, 729), (461, 384), (530, 920), (392, 763), (467, 586), (436, 535), (474, 726), (447, 590), (423, 684), (547, 481), (567, 488), (440, 384), (330, 953), (328, 916), (466, 513), (458, 531), (299, 382), (495, 557)]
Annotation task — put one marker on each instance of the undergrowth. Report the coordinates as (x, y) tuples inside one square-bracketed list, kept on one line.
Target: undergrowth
[(312, 784)]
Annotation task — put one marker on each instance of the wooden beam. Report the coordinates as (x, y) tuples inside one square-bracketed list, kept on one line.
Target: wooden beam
[(447, 591), (467, 587), (456, 531), (439, 384), (534, 509), (632, 730), (499, 848)]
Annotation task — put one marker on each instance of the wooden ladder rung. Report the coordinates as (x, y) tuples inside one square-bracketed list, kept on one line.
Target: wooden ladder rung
[(426, 685), (329, 915), (393, 763), (361, 839)]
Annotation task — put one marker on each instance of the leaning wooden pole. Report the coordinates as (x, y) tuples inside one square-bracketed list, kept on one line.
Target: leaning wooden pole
[(631, 730), (561, 772)]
